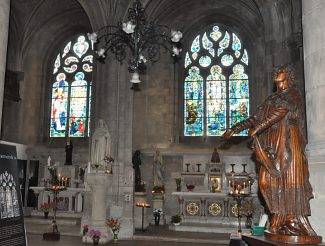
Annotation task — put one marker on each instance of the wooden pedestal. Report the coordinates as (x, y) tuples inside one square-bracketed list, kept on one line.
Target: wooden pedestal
[(263, 241)]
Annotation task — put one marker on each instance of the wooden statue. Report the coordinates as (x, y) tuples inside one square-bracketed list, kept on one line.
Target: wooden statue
[(277, 131)]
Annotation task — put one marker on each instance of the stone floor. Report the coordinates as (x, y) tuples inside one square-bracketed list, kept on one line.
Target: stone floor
[(155, 235)]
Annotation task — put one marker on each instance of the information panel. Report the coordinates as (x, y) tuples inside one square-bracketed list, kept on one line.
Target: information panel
[(12, 230)]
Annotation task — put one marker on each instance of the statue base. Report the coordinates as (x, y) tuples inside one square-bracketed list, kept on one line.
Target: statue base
[(51, 236), (301, 239)]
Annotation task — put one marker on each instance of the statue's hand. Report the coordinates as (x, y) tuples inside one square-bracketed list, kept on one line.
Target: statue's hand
[(228, 134), (252, 132), (274, 173)]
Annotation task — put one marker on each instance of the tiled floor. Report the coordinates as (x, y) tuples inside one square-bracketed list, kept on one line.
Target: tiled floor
[(155, 235)]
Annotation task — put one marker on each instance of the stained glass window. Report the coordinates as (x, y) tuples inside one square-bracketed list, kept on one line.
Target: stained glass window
[(216, 88), (71, 89)]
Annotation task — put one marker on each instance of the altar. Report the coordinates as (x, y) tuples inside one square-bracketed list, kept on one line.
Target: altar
[(72, 198)]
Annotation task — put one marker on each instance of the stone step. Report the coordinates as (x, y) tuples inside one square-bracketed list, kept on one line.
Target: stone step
[(65, 230), (59, 214), (42, 221), (207, 228)]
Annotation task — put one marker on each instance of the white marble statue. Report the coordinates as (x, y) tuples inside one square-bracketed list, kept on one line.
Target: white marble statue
[(158, 179), (100, 143)]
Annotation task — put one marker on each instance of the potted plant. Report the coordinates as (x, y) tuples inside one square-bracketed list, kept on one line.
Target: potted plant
[(115, 227), (176, 219), (190, 187), (85, 229), (95, 235), (46, 207), (178, 183)]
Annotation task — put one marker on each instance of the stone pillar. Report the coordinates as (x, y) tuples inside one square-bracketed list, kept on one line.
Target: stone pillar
[(4, 26), (313, 15), (99, 183)]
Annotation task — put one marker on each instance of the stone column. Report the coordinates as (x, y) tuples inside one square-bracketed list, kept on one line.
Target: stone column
[(313, 14), (4, 26), (99, 183)]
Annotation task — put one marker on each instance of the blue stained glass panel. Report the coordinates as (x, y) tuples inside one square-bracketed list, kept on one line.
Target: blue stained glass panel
[(227, 60), (59, 107), (225, 101), (193, 125), (224, 43), (244, 58), (196, 44), (215, 34), (187, 60), (205, 61), (236, 44), (70, 110), (207, 44)]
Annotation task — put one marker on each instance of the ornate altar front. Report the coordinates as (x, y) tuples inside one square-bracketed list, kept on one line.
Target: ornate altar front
[(206, 207)]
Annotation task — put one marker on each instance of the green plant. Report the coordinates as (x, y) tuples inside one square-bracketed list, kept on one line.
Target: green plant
[(178, 181), (176, 218)]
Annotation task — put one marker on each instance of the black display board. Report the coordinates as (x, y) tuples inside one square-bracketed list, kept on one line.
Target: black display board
[(12, 230)]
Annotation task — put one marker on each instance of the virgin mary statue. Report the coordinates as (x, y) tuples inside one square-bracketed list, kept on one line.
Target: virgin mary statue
[(100, 143)]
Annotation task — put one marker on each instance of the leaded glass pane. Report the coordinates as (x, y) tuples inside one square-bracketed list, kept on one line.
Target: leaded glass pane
[(87, 68), (207, 44), (236, 44), (215, 34), (193, 118), (244, 59), (70, 59), (214, 103), (70, 111), (71, 69), (81, 47), (187, 60), (193, 104), (88, 58), (224, 43), (238, 96), (227, 60), (196, 44), (212, 52), (57, 64), (66, 49), (205, 61), (78, 106), (60, 91)]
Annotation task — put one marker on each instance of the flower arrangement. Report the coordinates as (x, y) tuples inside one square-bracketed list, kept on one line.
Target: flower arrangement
[(113, 224), (46, 207), (94, 234), (115, 227), (85, 229)]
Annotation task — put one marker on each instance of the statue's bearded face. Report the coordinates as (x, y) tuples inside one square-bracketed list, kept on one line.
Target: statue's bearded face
[(280, 80)]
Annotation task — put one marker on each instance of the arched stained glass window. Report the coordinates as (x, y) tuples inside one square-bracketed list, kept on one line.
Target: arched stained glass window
[(71, 89), (216, 86)]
